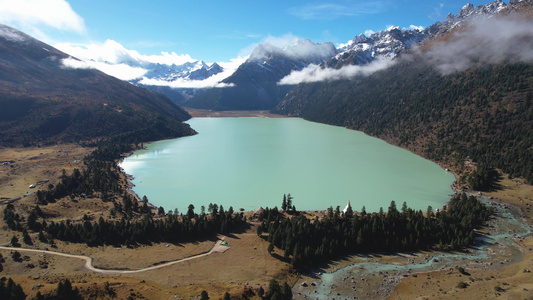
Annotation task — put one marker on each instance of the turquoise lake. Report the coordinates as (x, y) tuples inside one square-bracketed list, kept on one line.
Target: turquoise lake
[(251, 162)]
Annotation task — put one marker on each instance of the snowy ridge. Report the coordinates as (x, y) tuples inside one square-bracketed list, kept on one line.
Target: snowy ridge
[(389, 43), (384, 44), (197, 70)]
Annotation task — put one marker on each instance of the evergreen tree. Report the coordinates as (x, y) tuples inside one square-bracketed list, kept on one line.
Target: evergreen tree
[(274, 290), (286, 291), (10, 290), (260, 292), (161, 211), (190, 211), (204, 296), (31, 221), (16, 256), (26, 237), (289, 201), (64, 291), (15, 241)]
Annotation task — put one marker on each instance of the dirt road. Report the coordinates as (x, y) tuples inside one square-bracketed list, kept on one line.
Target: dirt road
[(218, 247)]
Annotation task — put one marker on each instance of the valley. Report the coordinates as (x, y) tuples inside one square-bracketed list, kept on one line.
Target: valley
[(457, 92), (245, 249)]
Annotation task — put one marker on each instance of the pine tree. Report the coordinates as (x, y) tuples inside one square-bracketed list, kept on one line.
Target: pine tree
[(260, 292), (289, 201), (204, 296), (26, 238), (15, 241), (226, 296)]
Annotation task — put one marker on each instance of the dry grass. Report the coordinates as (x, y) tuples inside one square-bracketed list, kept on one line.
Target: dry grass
[(246, 264), (31, 165), (516, 282), (515, 192)]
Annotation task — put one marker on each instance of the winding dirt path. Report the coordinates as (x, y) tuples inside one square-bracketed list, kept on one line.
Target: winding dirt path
[(218, 247)]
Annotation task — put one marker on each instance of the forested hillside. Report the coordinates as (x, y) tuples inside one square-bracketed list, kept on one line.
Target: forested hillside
[(465, 93), (44, 100), (485, 113)]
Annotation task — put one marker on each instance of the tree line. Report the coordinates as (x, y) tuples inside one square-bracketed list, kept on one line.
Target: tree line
[(9, 290), (100, 174), (306, 242), (150, 228), (170, 228)]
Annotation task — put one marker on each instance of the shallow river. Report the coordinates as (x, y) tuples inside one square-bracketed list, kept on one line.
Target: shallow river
[(251, 162)]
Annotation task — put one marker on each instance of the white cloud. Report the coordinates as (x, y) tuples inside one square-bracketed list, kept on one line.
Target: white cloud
[(29, 14), (292, 46), (343, 45), (213, 81), (11, 35), (414, 27), (114, 59), (485, 41), (330, 11), (272, 41), (369, 32), (120, 71), (314, 73), (115, 53), (185, 83)]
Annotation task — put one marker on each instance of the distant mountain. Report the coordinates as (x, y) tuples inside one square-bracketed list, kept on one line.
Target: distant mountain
[(384, 44), (388, 43), (166, 74), (466, 89), (254, 83), (197, 70), (46, 96)]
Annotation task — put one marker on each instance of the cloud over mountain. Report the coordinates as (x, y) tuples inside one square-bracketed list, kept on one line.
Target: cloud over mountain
[(116, 60), (114, 53), (485, 41), (314, 73)]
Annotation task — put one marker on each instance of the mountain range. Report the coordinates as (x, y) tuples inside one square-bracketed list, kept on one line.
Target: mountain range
[(461, 87), (465, 90), (256, 83), (46, 98)]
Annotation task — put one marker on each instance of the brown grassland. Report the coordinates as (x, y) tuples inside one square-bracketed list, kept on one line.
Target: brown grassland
[(246, 263)]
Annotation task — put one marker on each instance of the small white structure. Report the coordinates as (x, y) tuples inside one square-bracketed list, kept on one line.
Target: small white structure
[(346, 208)]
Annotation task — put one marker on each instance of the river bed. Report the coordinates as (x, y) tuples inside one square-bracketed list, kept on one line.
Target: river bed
[(375, 277)]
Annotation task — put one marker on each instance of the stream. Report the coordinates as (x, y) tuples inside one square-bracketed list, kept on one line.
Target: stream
[(493, 250)]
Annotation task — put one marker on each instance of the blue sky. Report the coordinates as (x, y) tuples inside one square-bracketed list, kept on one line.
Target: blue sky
[(212, 30)]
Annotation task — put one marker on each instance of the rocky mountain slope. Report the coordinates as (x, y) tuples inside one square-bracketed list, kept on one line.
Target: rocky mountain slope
[(47, 97), (254, 83), (464, 91)]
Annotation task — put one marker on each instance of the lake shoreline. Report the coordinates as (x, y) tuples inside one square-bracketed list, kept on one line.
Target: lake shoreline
[(206, 113), (299, 136), (396, 283)]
